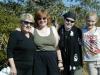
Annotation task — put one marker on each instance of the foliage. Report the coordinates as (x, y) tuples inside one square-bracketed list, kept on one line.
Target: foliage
[(3, 57), (8, 22), (91, 5), (10, 11)]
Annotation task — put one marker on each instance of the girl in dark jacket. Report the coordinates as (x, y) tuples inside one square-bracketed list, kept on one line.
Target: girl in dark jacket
[(70, 45)]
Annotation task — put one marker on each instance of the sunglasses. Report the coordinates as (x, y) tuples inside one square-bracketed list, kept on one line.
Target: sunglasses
[(69, 20), (43, 18), (26, 23)]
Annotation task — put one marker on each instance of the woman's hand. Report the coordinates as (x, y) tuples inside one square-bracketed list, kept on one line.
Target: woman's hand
[(13, 71), (60, 65)]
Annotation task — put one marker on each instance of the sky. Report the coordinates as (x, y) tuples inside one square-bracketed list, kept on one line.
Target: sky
[(67, 2), (71, 2)]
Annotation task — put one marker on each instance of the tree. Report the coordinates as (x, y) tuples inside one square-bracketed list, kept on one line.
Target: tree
[(8, 22), (54, 7), (10, 11)]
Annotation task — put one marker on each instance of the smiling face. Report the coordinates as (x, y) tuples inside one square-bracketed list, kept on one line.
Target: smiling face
[(69, 22), (91, 20), (26, 26), (26, 22), (42, 21), (42, 18)]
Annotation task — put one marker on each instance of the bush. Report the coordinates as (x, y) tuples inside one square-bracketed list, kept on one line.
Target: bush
[(3, 58)]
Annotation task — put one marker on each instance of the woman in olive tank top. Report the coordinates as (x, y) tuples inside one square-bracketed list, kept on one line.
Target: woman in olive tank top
[(46, 40)]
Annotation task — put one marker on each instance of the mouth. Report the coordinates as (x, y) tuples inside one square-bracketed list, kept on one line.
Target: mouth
[(90, 25)]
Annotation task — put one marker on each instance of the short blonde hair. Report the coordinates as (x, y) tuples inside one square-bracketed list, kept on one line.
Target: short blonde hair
[(92, 14), (27, 17)]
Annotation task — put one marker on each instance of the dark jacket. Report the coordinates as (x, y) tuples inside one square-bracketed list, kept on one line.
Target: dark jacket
[(70, 45)]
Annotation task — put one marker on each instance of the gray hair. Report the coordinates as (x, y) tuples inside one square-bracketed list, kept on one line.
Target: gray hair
[(27, 17)]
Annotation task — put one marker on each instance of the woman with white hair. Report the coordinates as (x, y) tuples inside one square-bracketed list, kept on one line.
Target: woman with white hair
[(20, 49)]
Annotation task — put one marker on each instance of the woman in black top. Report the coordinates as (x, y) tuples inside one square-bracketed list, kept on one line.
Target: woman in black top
[(21, 47)]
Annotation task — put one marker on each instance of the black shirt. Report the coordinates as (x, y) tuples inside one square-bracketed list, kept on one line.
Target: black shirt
[(20, 47), (70, 45)]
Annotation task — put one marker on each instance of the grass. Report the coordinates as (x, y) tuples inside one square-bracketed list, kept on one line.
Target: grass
[(85, 69)]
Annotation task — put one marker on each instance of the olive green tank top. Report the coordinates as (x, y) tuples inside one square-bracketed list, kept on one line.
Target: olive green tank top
[(44, 43)]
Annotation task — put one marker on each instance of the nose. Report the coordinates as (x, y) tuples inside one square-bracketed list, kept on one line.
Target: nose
[(28, 24), (68, 22), (41, 20), (90, 23)]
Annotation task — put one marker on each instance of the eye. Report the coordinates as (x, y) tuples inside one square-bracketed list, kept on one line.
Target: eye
[(42, 18)]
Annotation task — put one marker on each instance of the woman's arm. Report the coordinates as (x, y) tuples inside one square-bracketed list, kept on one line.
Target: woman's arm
[(60, 61), (10, 47), (55, 35), (12, 66), (59, 55)]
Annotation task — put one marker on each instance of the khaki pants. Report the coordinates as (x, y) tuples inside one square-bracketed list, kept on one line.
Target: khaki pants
[(94, 68), (78, 71)]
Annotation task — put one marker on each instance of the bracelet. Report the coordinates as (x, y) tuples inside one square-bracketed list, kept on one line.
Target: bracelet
[(60, 61), (61, 67)]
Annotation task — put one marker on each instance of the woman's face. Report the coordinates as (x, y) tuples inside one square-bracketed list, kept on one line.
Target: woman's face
[(91, 21), (42, 21), (26, 26)]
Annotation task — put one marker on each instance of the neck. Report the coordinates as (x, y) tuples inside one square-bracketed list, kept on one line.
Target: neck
[(27, 35), (42, 27)]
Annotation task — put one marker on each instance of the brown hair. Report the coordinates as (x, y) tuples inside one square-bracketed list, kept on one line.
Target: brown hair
[(42, 13)]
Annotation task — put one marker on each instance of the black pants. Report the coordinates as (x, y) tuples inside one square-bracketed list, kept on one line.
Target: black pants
[(66, 65), (23, 69), (46, 63)]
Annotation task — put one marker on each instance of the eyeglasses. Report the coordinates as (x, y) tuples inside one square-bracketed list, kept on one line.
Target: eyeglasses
[(69, 20), (44, 18), (26, 22)]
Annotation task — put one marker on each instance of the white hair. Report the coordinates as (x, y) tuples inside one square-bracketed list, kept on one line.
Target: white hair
[(26, 17)]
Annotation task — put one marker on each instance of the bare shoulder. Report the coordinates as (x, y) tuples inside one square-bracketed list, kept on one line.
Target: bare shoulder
[(53, 28)]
